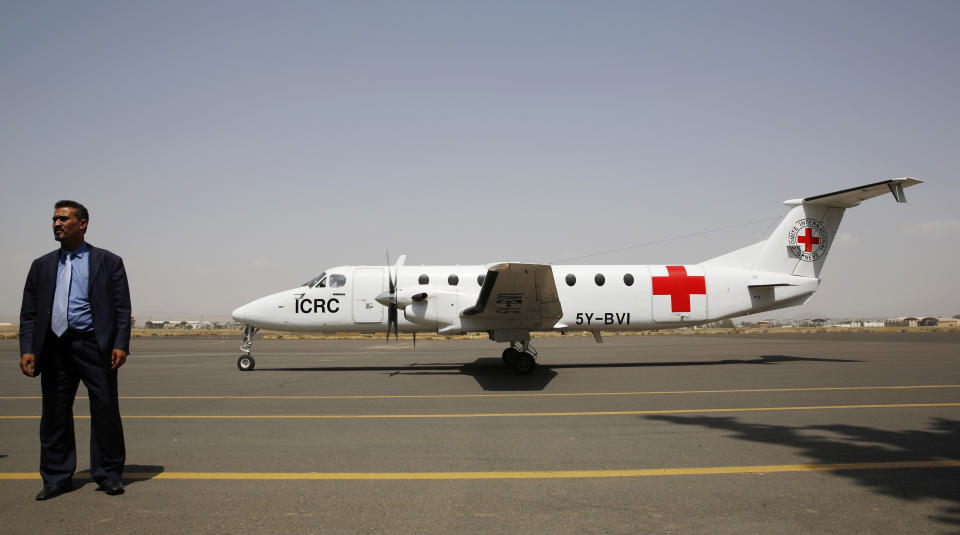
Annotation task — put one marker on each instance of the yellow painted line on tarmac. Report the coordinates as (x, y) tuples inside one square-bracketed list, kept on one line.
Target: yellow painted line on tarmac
[(532, 474), (543, 394), (498, 414)]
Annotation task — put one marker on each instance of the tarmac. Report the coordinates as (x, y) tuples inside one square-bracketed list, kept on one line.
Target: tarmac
[(807, 433)]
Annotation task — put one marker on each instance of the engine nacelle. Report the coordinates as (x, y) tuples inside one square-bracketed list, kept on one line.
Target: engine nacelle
[(440, 311), (406, 297)]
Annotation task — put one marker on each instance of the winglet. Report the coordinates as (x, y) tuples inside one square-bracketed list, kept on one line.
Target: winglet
[(896, 188)]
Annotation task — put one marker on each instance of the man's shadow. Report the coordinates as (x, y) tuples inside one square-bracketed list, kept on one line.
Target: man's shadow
[(132, 473)]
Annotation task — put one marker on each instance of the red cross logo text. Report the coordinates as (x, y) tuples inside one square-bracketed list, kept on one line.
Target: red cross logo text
[(808, 239), (679, 287)]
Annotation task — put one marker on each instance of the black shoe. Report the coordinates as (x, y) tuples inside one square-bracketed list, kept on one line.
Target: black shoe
[(112, 488), (53, 492)]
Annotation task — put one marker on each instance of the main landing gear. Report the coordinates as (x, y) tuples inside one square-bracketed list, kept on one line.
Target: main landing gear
[(246, 363), (521, 357)]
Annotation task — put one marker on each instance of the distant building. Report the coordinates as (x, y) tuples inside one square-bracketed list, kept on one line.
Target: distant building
[(856, 324), (920, 321), (178, 324)]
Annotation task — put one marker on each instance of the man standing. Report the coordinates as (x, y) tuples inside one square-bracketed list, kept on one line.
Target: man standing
[(75, 325)]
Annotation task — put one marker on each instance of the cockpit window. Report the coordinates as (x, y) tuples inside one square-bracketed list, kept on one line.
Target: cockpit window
[(337, 281), (317, 281)]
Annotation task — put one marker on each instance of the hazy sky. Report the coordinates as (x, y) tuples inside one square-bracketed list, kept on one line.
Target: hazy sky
[(231, 149)]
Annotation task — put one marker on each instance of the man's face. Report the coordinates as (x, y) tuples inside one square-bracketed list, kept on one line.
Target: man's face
[(66, 226)]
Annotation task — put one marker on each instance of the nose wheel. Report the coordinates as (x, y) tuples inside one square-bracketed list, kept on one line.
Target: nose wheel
[(246, 361)]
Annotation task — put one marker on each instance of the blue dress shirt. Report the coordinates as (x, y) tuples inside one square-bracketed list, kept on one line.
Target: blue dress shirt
[(79, 316)]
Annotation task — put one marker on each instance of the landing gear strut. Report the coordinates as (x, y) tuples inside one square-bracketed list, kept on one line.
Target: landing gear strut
[(521, 357), (246, 363)]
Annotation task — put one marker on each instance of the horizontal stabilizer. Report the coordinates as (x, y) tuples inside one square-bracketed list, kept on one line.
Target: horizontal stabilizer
[(852, 197)]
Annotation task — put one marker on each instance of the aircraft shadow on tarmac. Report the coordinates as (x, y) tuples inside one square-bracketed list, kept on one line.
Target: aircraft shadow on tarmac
[(493, 375), (839, 443)]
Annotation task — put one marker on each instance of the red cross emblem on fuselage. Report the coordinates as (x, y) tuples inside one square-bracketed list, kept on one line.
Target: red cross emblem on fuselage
[(679, 287), (808, 240)]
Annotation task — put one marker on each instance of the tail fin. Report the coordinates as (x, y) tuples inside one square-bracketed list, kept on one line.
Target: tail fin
[(800, 243)]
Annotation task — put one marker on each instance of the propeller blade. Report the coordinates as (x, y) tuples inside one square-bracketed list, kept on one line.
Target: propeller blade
[(392, 277), (389, 299), (391, 319)]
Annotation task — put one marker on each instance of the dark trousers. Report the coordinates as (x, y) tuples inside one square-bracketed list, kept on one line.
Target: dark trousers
[(66, 361)]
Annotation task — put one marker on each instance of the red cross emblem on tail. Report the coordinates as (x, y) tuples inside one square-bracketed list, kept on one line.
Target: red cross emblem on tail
[(808, 237), (679, 286)]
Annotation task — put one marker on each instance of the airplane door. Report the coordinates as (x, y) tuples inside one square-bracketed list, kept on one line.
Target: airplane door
[(368, 283)]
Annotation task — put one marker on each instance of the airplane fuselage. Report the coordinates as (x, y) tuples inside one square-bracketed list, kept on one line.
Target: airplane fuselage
[(592, 298)]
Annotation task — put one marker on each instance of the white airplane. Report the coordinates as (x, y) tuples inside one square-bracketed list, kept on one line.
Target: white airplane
[(509, 300)]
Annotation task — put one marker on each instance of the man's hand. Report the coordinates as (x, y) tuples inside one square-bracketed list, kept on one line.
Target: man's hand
[(27, 362), (117, 358)]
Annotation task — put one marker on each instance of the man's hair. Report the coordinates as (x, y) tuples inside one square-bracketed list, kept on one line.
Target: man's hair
[(82, 212)]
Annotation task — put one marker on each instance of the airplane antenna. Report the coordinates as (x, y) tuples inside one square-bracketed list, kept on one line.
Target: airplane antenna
[(779, 217)]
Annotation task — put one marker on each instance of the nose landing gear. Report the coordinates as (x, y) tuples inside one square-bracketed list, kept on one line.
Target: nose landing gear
[(246, 362), (521, 357)]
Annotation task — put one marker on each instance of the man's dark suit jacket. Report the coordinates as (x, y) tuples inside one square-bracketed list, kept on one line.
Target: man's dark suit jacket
[(109, 297)]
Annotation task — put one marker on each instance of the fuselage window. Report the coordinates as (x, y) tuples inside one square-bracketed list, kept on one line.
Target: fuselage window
[(599, 279), (336, 281), (423, 279), (628, 279), (480, 279), (453, 280), (571, 279)]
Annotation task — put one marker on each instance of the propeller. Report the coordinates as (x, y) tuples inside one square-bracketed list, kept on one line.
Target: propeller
[(389, 299)]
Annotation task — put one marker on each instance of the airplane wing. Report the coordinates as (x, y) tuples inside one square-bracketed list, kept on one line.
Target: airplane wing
[(517, 296)]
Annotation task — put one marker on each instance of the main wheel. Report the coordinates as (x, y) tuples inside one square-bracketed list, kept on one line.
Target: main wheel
[(510, 356), (524, 363), (246, 363)]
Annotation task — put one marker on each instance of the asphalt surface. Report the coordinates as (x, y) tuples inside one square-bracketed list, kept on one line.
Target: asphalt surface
[(668, 434)]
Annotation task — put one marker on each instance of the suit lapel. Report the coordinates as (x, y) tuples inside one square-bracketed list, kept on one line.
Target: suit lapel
[(48, 284), (95, 263)]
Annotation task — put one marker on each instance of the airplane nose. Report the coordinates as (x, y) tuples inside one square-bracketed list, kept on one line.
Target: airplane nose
[(239, 314)]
